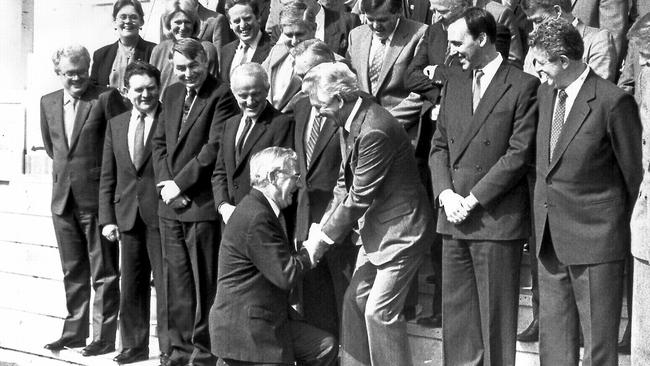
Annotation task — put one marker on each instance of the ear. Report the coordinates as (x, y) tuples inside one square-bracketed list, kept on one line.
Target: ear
[(341, 100), (558, 11), (482, 39), (564, 61), (124, 90)]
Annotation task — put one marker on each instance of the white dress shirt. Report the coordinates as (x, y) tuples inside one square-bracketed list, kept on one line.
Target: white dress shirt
[(133, 124), (489, 71), (239, 53), (572, 92)]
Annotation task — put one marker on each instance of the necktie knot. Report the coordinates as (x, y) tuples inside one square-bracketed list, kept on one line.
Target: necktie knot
[(561, 94)]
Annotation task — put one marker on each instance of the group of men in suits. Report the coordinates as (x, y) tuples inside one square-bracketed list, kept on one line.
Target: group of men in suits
[(166, 179)]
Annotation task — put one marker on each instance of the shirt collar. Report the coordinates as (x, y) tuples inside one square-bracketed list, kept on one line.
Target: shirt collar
[(491, 67), (254, 43), (353, 114), (574, 87), (67, 97), (274, 206), (151, 114)]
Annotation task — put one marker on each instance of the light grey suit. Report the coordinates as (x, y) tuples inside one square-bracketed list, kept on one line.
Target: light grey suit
[(605, 14), (272, 64)]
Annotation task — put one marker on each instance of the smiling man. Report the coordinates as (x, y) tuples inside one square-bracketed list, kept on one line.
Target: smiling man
[(481, 153), (257, 127), (186, 144)]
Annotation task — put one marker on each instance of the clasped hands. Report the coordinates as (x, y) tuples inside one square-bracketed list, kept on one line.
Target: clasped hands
[(315, 245), (457, 207), (171, 194)]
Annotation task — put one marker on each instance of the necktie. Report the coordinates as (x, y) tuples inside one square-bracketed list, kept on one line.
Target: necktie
[(558, 121), (70, 110), (138, 142), (242, 138), (375, 66), (476, 88), (189, 98), (313, 137), (243, 54)]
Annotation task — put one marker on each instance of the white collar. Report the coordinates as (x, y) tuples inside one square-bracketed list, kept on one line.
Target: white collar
[(573, 88), (490, 69), (254, 43), (353, 114), (274, 206)]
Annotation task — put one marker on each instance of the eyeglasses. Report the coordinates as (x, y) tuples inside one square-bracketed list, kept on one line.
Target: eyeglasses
[(72, 74), (295, 176), (131, 17)]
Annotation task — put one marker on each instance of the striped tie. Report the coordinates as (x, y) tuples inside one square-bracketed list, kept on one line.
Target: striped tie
[(313, 137), (375, 66), (558, 122)]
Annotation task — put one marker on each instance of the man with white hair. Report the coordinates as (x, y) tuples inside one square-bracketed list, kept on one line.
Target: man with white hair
[(255, 128), (379, 193), (250, 320), (73, 122)]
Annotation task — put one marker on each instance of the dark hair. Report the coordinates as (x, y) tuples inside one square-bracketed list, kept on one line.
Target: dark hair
[(253, 4), (141, 68), (119, 4), (480, 21), (546, 5), (190, 48), (557, 37), (394, 6)]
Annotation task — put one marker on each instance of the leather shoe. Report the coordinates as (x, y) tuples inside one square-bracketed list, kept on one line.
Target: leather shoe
[(164, 360), (530, 334), (98, 348), (434, 321), (62, 343), (131, 355)]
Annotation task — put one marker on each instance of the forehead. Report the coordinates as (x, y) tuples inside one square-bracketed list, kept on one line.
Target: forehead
[(540, 54), (247, 83), (141, 80), (179, 15), (180, 59), (239, 10), (72, 62), (381, 12), (127, 9), (440, 4), (294, 28), (458, 30)]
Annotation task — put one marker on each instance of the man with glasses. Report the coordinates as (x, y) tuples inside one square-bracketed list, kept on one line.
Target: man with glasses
[(73, 122)]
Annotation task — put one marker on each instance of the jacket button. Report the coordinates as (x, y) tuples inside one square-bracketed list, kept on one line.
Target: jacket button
[(545, 205), (487, 142), (455, 167), (236, 186), (643, 141), (479, 169), (452, 141)]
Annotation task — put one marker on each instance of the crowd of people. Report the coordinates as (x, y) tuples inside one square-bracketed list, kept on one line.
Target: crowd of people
[(281, 169)]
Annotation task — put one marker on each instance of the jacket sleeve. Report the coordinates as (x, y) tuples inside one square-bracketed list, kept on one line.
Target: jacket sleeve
[(107, 182), (220, 180), (45, 132), (439, 157), (414, 79), (602, 55)]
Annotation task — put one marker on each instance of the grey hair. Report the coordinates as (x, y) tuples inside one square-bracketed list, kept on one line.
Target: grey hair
[(268, 161), (297, 12), (75, 52), (252, 69), (331, 78)]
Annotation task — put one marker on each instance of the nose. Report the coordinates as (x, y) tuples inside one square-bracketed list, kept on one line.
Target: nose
[(294, 41), (145, 93)]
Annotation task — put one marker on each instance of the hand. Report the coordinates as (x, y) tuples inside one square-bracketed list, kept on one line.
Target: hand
[(111, 232), (226, 210), (179, 202), (430, 71), (454, 205), (316, 249), (169, 190)]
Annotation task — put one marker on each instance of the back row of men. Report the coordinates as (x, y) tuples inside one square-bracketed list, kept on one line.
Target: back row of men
[(211, 164)]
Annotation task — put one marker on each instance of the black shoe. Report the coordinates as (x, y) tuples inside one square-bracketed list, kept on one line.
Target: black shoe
[(131, 355), (624, 346), (62, 343), (434, 321), (164, 360), (530, 334), (98, 348)]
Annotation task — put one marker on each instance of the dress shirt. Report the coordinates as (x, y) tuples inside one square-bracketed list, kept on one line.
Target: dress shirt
[(572, 92), (489, 71), (281, 79), (133, 124), (122, 59), (239, 53), (320, 24), (69, 114), (376, 42)]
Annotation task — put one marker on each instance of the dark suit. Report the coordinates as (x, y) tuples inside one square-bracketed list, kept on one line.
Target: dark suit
[(231, 178), (104, 57), (323, 287), (228, 53), (128, 199), (583, 201), (186, 153), (249, 320), (379, 192), (487, 153), (75, 177)]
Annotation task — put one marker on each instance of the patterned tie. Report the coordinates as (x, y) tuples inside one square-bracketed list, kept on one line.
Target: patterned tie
[(70, 110), (375, 66), (558, 121), (476, 88), (243, 54), (313, 137), (138, 142), (189, 98), (242, 139)]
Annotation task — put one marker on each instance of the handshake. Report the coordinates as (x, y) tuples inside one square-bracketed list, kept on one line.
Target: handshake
[(315, 244), (457, 207)]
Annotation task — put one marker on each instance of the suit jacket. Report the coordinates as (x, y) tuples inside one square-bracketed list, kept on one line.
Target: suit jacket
[(402, 103), (586, 193), (338, 25), (487, 153), (605, 14), (186, 153), (272, 64), (379, 189), (257, 270), (599, 52), (77, 163), (418, 10), (231, 179), (104, 57), (126, 190), (228, 53), (506, 17)]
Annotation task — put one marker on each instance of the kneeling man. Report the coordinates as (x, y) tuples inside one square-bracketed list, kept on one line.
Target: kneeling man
[(258, 267)]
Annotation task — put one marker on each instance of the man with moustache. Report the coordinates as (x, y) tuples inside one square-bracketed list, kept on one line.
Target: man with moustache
[(128, 204), (257, 127), (589, 168), (481, 152), (252, 43), (186, 144), (73, 123)]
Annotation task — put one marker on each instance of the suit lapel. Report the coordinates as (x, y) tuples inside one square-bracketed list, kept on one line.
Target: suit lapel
[(147, 145), (457, 100), (199, 103), (55, 112), (365, 58), (83, 109), (228, 143), (497, 88), (575, 119), (327, 132), (302, 114), (393, 50), (121, 142), (546, 98), (261, 51), (257, 131)]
